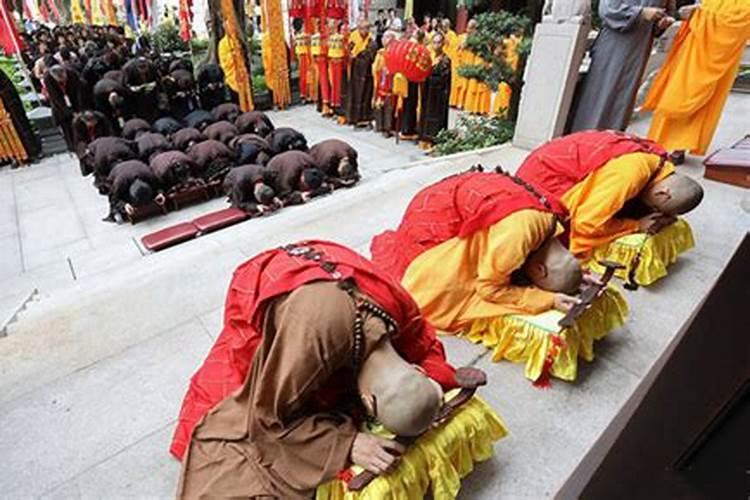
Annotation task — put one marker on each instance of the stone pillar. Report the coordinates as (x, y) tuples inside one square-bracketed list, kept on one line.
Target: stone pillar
[(550, 80)]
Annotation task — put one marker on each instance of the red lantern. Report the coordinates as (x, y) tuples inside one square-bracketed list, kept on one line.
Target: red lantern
[(410, 59)]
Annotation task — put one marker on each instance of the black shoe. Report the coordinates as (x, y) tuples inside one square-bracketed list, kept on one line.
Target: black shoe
[(677, 157)]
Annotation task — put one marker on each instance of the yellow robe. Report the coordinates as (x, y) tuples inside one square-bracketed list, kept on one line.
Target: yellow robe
[(691, 89), (594, 202), (465, 279), (458, 83)]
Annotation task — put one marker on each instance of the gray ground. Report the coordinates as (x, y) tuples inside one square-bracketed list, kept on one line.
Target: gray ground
[(93, 372)]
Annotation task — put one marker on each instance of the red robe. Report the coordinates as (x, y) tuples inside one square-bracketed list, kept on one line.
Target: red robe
[(562, 163), (273, 273), (459, 205)]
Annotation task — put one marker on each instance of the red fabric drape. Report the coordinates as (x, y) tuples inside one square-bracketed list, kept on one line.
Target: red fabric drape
[(9, 39)]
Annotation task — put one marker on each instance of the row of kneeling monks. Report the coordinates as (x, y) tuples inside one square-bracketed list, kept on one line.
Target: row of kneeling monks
[(259, 167), (328, 377)]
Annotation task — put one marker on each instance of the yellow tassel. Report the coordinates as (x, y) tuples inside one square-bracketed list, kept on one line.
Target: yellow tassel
[(527, 338), (438, 460), (657, 252)]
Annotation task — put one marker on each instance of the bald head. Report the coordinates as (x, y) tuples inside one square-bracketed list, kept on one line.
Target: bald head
[(674, 195), (397, 393), (553, 268)]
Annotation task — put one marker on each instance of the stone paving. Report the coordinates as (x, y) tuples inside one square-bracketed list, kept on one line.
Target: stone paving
[(91, 376)]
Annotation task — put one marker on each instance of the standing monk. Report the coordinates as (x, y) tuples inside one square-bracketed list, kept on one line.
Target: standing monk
[(462, 57), (603, 178), (362, 50), (618, 58), (384, 105), (336, 62), (302, 51), (436, 90), (311, 331), (319, 52), (689, 94)]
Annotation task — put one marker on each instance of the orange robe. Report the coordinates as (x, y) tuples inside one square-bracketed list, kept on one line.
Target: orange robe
[(465, 279), (594, 202), (458, 83), (691, 89)]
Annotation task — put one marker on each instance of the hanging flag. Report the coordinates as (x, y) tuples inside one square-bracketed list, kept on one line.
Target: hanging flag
[(76, 12), (275, 64), (54, 11), (131, 18), (89, 13), (186, 20), (232, 57), (10, 42), (110, 12)]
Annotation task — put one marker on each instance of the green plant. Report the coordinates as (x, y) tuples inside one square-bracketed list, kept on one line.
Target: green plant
[(166, 38), (199, 44), (474, 132), (259, 84)]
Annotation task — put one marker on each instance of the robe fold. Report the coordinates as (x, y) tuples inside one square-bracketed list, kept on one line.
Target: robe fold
[(594, 174), (618, 57), (692, 86), (254, 287), (460, 241)]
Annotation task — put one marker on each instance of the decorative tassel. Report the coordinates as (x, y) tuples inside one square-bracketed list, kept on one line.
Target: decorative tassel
[(544, 379)]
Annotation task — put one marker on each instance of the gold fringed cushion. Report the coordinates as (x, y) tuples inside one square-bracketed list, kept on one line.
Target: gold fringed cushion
[(542, 345), (658, 252), (437, 461)]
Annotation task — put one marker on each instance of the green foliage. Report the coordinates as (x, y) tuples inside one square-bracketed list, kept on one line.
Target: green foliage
[(259, 84), (166, 38), (487, 42), (199, 44), (474, 132)]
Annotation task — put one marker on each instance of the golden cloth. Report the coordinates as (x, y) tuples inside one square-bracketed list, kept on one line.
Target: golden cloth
[(691, 89), (594, 202), (11, 147), (458, 83), (657, 252), (232, 58), (274, 53), (540, 343), (436, 462)]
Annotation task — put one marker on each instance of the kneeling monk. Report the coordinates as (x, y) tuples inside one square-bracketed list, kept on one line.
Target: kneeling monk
[(604, 178), (464, 240), (310, 331)]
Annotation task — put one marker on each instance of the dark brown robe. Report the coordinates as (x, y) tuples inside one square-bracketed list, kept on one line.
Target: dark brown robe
[(360, 87), (408, 116), (436, 90), (172, 168), (222, 131), (212, 159), (254, 122), (329, 153), (239, 185), (269, 439), (122, 176), (63, 99), (287, 168)]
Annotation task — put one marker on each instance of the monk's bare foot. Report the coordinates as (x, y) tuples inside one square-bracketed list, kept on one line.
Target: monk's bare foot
[(677, 157)]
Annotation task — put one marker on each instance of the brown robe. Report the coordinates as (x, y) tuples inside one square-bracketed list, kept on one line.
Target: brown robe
[(360, 87), (436, 90), (269, 439)]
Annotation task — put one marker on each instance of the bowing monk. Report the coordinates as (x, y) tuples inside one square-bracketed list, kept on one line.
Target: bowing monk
[(691, 89), (249, 188), (468, 246), (88, 126), (337, 160), (222, 131), (310, 331), (186, 137), (286, 139), (133, 184), (103, 154), (298, 177), (173, 169), (212, 159), (254, 122), (604, 178), (134, 128)]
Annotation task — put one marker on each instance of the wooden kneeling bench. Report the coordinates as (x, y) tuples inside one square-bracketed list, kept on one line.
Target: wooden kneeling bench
[(730, 165)]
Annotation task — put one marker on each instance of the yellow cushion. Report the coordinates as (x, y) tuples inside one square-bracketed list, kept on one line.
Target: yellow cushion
[(530, 339), (658, 252), (437, 461)]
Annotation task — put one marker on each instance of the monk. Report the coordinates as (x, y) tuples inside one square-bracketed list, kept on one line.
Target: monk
[(691, 89), (200, 119), (362, 50), (262, 153), (103, 154), (286, 139), (186, 137), (150, 144), (462, 56), (249, 188), (174, 170), (181, 92), (435, 95), (62, 86), (133, 184), (88, 126), (311, 332), (113, 99), (166, 126), (134, 127), (223, 131), (227, 111), (212, 158), (302, 51), (383, 101), (611, 184), (297, 176), (254, 122), (337, 58), (319, 52), (337, 160), (212, 88), (479, 245), (142, 79)]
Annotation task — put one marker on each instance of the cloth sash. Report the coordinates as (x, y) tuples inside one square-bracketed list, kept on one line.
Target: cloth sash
[(276, 272), (562, 163), (457, 206)]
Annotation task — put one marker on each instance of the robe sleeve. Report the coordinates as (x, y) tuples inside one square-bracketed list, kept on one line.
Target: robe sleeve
[(619, 15), (312, 342), (509, 244), (594, 222)]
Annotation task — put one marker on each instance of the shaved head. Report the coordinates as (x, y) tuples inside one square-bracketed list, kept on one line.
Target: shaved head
[(676, 194), (553, 268), (398, 394)]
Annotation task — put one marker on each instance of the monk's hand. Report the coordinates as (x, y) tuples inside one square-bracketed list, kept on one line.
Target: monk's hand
[(129, 209), (655, 222), (160, 199), (376, 454), (564, 302), (652, 13), (665, 22)]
